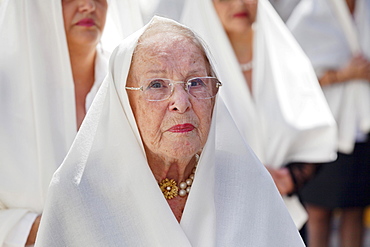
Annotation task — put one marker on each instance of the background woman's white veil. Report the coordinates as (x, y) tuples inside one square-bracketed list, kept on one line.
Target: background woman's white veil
[(37, 107), (319, 30)]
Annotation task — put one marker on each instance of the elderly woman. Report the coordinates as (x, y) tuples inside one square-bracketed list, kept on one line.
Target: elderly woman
[(335, 34), (273, 94), (144, 170), (51, 67)]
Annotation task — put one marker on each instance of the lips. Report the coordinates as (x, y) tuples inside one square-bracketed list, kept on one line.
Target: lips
[(181, 128), (87, 22), (241, 15)]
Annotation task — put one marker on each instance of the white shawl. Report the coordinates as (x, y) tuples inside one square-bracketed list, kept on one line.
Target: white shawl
[(287, 118), (284, 7), (322, 34), (104, 193), (37, 104), (167, 8)]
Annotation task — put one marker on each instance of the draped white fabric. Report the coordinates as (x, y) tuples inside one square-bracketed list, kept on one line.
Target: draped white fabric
[(167, 8), (123, 18), (321, 32), (284, 7), (37, 104), (104, 194), (286, 119)]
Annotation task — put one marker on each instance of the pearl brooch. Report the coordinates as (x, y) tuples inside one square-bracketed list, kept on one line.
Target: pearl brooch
[(170, 189)]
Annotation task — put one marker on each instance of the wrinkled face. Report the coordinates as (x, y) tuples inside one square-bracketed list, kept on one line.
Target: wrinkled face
[(176, 127), (84, 20), (236, 16)]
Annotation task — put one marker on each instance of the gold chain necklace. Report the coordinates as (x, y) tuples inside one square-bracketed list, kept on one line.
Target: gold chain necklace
[(170, 189)]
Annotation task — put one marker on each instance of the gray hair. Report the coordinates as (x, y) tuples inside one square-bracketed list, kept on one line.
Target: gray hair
[(162, 25)]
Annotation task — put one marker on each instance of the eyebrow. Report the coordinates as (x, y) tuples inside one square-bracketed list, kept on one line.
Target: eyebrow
[(165, 71)]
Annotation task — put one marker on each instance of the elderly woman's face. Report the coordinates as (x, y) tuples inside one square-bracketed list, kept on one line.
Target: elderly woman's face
[(236, 15), (84, 20), (178, 126)]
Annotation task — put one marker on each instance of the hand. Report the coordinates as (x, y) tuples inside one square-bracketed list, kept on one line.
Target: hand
[(282, 179), (33, 233), (357, 68)]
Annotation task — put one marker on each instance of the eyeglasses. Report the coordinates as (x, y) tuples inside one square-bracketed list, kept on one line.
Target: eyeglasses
[(158, 89)]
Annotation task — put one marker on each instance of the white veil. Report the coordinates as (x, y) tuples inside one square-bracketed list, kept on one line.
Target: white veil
[(123, 19), (287, 119), (104, 193), (167, 8), (284, 7), (37, 107), (318, 29)]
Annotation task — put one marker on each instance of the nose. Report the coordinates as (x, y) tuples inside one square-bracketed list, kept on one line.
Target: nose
[(179, 100), (86, 6)]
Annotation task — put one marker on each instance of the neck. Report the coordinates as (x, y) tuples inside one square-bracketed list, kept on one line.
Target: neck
[(176, 169), (83, 71), (242, 45), (351, 5), (83, 65)]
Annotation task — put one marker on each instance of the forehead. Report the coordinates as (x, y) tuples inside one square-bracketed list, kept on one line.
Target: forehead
[(169, 52)]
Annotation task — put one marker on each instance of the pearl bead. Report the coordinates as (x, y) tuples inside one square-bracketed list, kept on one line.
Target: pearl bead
[(183, 188), (183, 185), (182, 193)]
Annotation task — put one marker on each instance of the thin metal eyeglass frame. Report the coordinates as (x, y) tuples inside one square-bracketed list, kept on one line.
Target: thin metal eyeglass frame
[(172, 83)]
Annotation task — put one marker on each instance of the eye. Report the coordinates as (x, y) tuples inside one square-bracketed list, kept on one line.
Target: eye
[(196, 82), (157, 84)]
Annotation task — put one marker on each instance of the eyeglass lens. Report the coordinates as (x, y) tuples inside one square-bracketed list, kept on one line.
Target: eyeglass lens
[(201, 87)]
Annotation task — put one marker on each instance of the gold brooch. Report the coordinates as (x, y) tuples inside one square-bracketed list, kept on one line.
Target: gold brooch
[(169, 188)]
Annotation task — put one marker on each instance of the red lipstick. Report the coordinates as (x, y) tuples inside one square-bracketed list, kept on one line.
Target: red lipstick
[(181, 128), (87, 22), (241, 15)]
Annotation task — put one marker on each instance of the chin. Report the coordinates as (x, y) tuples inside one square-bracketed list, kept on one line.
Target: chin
[(90, 37), (183, 149)]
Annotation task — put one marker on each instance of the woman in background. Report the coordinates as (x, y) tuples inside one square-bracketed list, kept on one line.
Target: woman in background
[(273, 94), (336, 36), (51, 67)]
